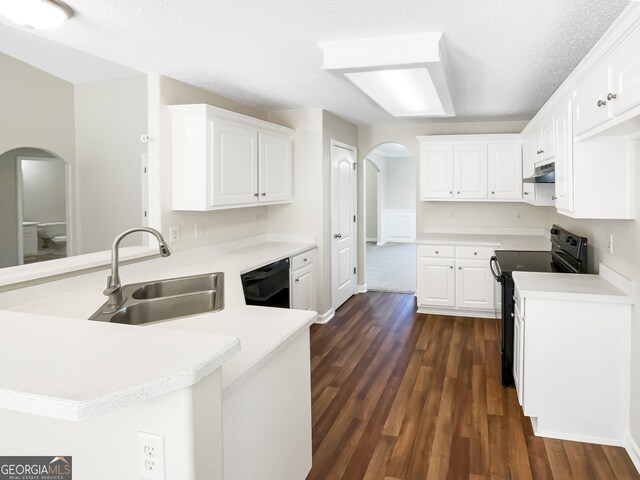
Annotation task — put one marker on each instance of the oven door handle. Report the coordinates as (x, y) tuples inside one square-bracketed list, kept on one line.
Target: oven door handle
[(496, 272)]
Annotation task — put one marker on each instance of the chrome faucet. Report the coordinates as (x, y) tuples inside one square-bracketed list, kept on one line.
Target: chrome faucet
[(114, 288)]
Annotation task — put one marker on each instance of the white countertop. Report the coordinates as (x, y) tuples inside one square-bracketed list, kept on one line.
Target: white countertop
[(498, 240), (567, 286), (261, 331), (64, 368)]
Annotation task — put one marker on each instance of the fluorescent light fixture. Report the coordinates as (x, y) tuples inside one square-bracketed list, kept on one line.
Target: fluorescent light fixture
[(407, 76), (38, 14)]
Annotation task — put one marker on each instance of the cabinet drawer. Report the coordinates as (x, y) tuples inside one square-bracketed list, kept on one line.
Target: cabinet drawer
[(475, 252), (445, 251), (303, 259)]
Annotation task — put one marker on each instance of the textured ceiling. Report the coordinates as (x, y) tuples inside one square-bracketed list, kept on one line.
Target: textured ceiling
[(506, 56)]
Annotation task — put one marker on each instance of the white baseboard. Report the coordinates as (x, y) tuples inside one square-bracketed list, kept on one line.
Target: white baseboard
[(371, 240), (380, 244), (362, 288), (458, 312), (326, 317), (634, 451), (613, 442)]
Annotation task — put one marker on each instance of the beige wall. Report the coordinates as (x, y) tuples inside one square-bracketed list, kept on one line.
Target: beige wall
[(220, 226), (110, 117), (36, 110), (626, 260), (310, 212)]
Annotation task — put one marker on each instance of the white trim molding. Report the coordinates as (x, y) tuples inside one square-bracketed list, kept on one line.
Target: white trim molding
[(326, 316), (362, 288), (458, 312), (634, 451)]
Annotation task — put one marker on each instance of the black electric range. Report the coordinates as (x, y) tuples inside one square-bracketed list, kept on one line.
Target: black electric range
[(568, 255)]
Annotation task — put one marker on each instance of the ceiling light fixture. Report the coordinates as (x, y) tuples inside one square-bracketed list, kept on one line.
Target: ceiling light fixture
[(38, 14), (407, 76)]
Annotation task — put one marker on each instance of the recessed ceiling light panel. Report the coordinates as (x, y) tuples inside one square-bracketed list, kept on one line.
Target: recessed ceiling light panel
[(38, 14), (406, 76)]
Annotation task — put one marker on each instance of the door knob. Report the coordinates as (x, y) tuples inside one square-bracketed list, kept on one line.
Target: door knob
[(337, 235)]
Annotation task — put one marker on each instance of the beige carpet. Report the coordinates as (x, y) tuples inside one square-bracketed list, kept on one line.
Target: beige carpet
[(391, 267)]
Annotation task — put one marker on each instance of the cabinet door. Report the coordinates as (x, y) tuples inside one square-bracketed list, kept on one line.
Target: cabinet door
[(625, 75), (436, 172), (518, 356), (590, 103), (470, 171), (529, 192), (564, 157), (530, 148), (548, 145), (275, 168), (505, 171), (436, 286), (235, 164), (474, 285), (303, 292)]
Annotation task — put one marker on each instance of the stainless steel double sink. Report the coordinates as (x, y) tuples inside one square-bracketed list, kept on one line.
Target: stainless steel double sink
[(155, 301)]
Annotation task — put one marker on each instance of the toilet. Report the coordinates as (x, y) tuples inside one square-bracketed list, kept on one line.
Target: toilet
[(53, 235)]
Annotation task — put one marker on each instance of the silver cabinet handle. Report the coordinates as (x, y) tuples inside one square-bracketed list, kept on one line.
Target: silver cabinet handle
[(526, 193), (264, 194), (475, 253), (297, 280), (304, 259), (437, 252), (513, 315), (337, 235), (458, 193), (612, 96), (553, 197), (601, 103), (459, 268), (451, 192), (493, 193), (255, 194), (451, 267)]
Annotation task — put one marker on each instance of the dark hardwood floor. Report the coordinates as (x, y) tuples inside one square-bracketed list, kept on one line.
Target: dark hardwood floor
[(402, 396)]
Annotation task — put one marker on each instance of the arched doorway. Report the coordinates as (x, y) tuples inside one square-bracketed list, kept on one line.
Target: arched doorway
[(390, 219), (34, 206)]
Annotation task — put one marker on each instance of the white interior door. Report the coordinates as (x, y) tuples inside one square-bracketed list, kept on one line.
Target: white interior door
[(343, 211)]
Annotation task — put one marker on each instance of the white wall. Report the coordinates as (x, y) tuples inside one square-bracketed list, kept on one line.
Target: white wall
[(110, 117), (43, 190), (626, 260), (399, 184), (220, 226), (372, 174)]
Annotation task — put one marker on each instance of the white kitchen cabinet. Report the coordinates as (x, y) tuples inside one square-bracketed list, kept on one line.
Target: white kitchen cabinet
[(530, 149), (461, 167), (624, 91), (470, 171), (275, 165), (436, 281), (455, 280), (29, 239), (590, 103), (505, 171), (436, 172), (234, 164), (303, 281), (564, 156), (474, 284), (221, 159), (518, 355)]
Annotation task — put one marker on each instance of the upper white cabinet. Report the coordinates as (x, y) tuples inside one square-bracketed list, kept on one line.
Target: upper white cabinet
[(504, 166), (436, 171), (221, 159), (470, 171), (625, 77), (590, 104), (471, 167), (563, 156)]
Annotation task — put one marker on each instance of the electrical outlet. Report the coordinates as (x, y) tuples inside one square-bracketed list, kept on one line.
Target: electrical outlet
[(610, 243), (518, 216), (452, 214), (174, 234), (198, 230), (151, 456)]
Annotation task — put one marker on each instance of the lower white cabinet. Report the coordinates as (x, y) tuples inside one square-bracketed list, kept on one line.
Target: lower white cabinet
[(303, 281), (474, 284), (455, 278), (518, 355), (436, 281)]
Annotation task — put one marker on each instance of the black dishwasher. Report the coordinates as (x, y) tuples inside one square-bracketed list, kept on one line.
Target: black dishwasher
[(268, 286)]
